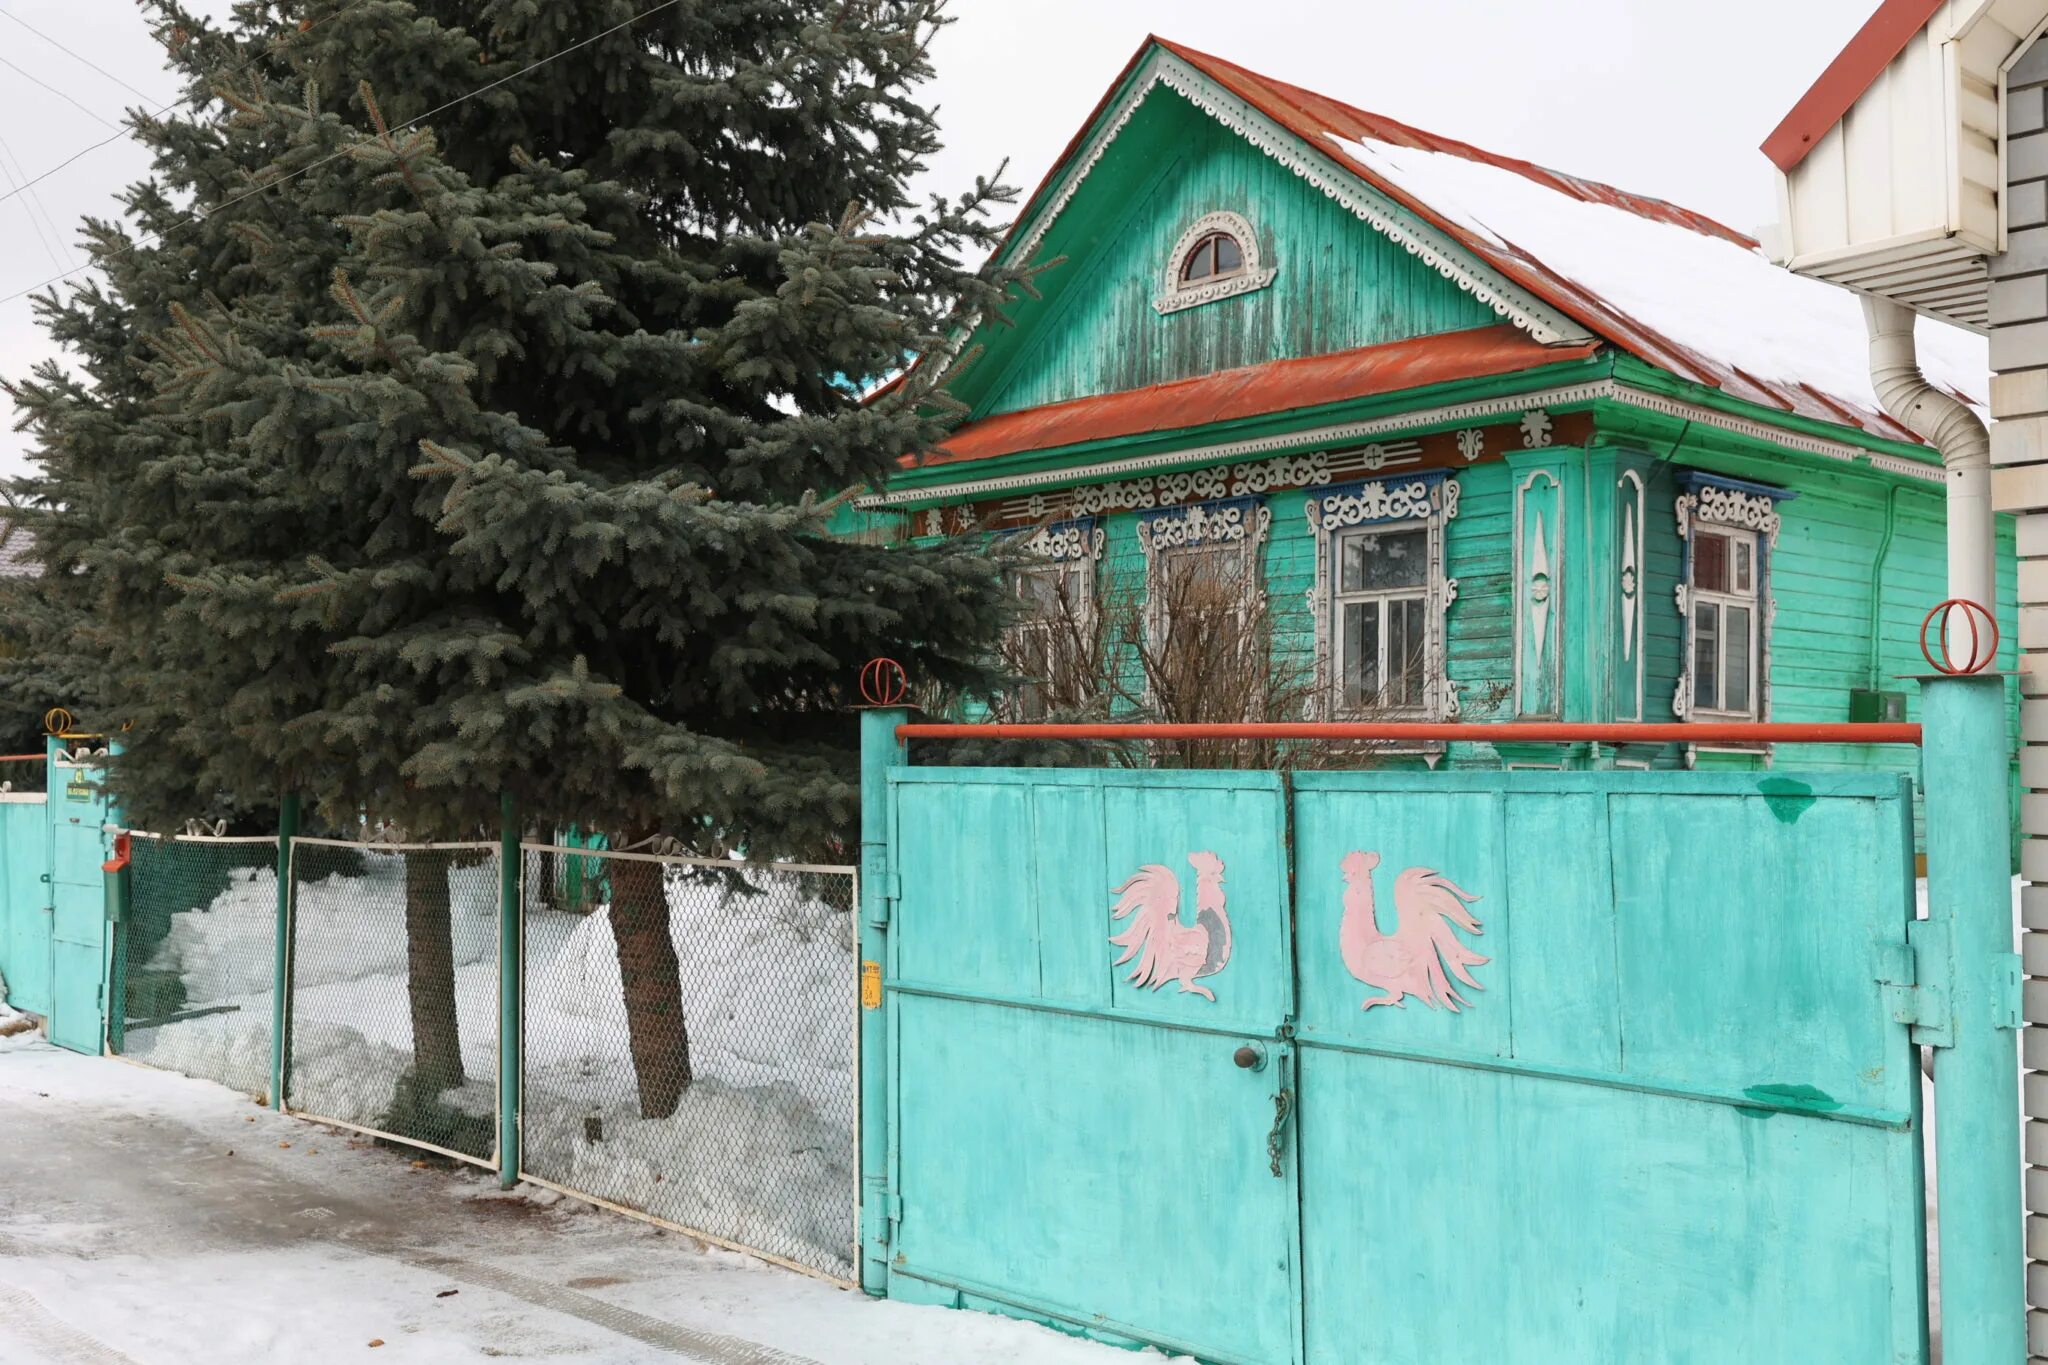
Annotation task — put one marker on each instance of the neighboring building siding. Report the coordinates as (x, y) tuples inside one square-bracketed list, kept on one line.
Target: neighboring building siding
[(2019, 445), (1337, 287)]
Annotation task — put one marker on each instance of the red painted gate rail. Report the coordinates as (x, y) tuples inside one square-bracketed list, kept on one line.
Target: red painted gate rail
[(1535, 732)]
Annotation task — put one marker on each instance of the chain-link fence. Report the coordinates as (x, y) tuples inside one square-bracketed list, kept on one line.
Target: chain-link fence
[(690, 1045), (393, 1024), (193, 983)]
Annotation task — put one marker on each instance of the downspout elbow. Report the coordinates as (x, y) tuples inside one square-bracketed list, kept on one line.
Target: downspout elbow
[(1953, 429)]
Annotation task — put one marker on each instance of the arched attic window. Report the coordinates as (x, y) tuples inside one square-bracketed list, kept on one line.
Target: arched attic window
[(1216, 258)]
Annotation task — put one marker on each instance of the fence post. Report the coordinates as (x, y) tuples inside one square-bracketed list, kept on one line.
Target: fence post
[(511, 962), (1976, 1081), (880, 751), (281, 951)]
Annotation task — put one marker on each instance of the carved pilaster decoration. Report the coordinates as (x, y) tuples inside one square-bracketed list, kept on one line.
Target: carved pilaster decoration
[(1629, 586), (1429, 497), (1539, 542)]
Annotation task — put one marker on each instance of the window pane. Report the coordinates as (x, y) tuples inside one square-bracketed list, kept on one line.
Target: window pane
[(1745, 576), (1406, 642), (1201, 261), (1706, 656), (1379, 561), (1229, 256), (1738, 658), (1359, 666), (1048, 594), (1709, 562), (1198, 586)]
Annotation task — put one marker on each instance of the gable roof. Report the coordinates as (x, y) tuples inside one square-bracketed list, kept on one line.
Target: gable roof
[(1671, 286)]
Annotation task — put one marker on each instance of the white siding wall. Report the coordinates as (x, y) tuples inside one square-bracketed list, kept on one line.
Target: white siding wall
[(2019, 401)]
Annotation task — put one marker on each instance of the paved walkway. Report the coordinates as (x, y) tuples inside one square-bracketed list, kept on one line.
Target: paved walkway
[(150, 1220)]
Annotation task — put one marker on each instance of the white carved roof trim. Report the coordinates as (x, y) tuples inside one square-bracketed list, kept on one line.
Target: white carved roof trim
[(1434, 248)]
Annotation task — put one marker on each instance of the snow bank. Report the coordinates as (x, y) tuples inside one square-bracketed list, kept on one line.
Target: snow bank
[(760, 1149), (352, 1025), (345, 928), (16, 1029)]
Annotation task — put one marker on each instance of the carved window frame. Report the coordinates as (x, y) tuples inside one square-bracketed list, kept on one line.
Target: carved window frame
[(1255, 274), (1222, 526), (1067, 550), (1428, 498), (1747, 509)]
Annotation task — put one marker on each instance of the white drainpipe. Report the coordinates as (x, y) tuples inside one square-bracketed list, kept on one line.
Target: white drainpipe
[(1948, 424)]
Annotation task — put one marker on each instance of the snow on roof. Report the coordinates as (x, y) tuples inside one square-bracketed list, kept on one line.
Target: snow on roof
[(1713, 296), (1669, 285)]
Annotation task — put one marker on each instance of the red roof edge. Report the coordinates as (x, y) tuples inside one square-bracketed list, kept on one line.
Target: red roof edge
[(1876, 45)]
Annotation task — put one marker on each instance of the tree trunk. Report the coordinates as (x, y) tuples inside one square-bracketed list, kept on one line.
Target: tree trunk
[(430, 972), (653, 984)]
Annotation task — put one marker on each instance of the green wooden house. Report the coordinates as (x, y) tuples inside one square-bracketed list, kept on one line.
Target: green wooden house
[(1488, 441)]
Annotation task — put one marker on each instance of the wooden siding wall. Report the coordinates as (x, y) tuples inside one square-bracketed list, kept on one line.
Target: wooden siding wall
[(1338, 286), (1823, 571)]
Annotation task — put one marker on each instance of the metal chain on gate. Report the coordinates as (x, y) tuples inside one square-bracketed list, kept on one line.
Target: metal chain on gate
[(1276, 1143)]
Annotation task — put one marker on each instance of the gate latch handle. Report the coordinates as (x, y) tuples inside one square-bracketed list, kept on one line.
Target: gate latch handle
[(1251, 1057), (1276, 1143)]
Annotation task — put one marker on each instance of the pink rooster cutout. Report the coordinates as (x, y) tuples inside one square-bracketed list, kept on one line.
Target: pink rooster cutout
[(1415, 959), (1166, 949)]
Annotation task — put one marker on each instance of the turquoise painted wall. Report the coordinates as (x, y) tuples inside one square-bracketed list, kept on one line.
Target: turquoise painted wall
[(1339, 285), (1823, 573)]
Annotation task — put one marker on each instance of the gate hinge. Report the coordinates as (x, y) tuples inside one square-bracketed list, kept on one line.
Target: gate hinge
[(2009, 1009), (892, 1216), (1914, 977), (881, 901)]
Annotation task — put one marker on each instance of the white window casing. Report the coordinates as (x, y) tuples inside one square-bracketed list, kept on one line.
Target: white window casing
[(1728, 529), (1235, 527), (1346, 519)]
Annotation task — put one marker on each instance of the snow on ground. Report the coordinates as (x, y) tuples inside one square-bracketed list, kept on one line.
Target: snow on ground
[(760, 1149), (157, 1220)]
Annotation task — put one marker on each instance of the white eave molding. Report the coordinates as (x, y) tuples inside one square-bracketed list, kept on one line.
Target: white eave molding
[(1435, 248), (1348, 433)]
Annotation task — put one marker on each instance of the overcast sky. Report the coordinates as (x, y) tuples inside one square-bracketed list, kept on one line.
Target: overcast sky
[(1660, 98)]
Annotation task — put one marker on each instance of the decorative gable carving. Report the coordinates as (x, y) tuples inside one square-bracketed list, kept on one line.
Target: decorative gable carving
[(1432, 246)]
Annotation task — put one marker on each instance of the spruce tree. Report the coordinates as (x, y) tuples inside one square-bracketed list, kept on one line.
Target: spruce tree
[(429, 445)]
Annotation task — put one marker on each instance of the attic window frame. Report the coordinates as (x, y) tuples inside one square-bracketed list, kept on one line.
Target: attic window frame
[(1251, 275)]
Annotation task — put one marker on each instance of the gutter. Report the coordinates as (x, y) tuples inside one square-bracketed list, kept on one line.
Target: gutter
[(1948, 424)]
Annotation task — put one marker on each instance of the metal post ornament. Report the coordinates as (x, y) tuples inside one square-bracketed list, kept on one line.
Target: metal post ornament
[(884, 683), (1983, 638)]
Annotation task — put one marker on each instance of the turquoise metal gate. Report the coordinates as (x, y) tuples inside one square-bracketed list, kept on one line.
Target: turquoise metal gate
[(78, 898), (1075, 1137), (1673, 1120), (1532, 1067)]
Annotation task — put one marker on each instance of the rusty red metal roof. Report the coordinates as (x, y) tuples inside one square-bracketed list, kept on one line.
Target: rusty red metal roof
[(1876, 46), (1325, 123), (1257, 391)]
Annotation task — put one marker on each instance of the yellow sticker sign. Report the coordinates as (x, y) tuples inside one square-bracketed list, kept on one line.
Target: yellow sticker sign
[(871, 985)]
